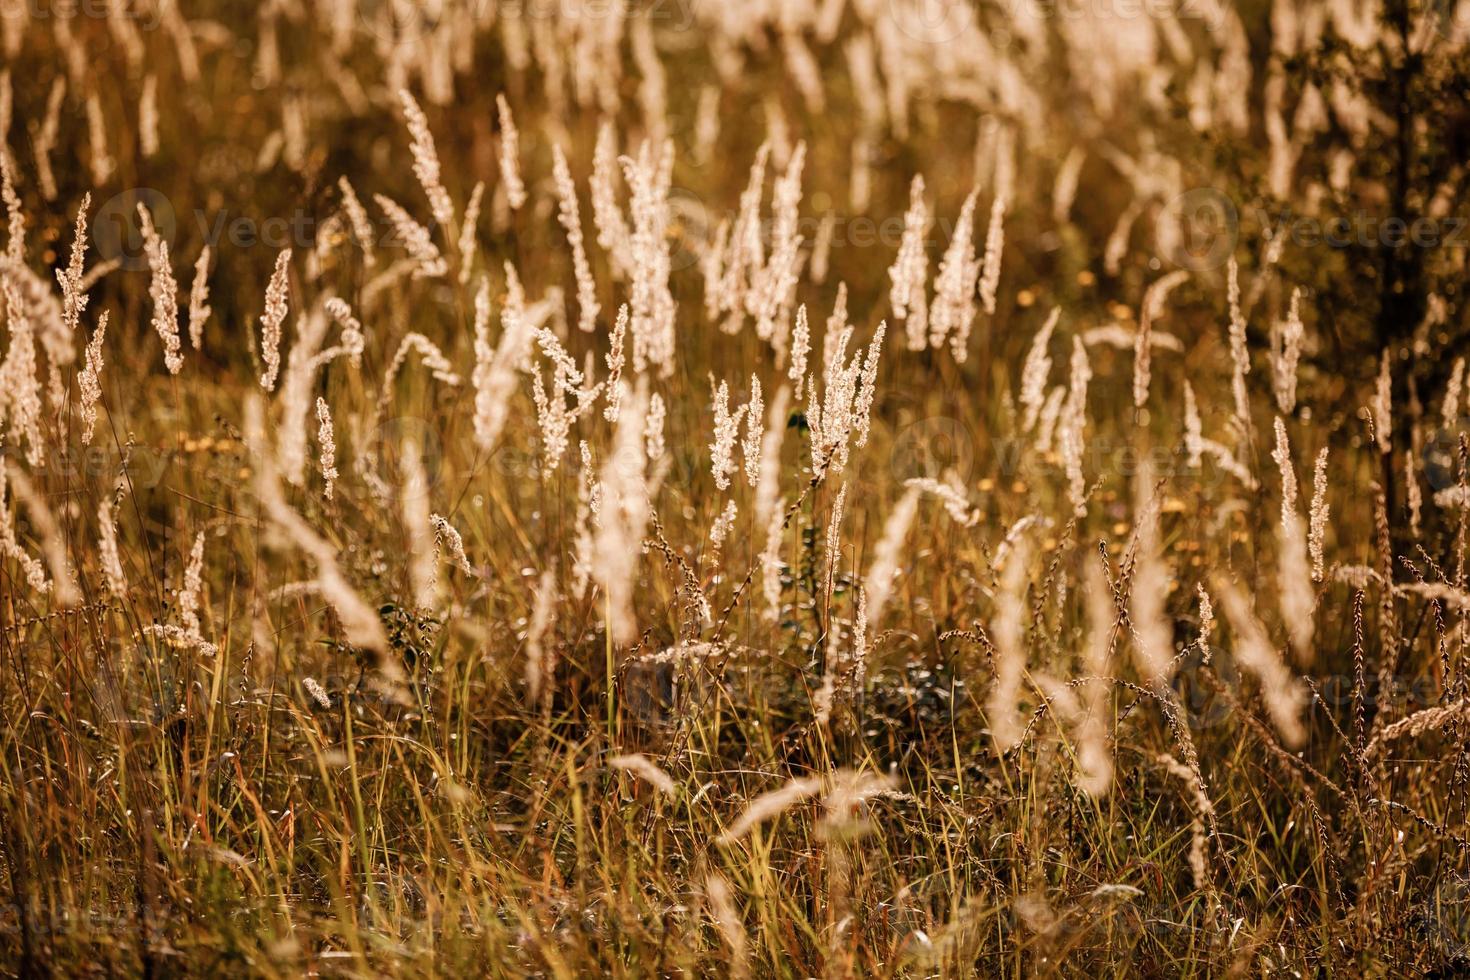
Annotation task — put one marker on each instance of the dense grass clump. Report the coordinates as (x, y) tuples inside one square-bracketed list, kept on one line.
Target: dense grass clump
[(896, 488)]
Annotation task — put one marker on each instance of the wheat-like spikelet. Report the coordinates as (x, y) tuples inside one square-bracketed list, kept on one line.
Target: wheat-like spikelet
[(1414, 491), (770, 560), (653, 428), (1064, 188), (726, 432), (295, 397), (990, 262), (189, 595), (801, 339), (750, 445), (317, 693), (89, 379), (1317, 522), (274, 315), (1435, 591), (1051, 413), (362, 226), (615, 359), (1293, 569), (642, 767), (909, 274), (832, 546), (10, 547), (148, 117), (1226, 460), (570, 217), (1125, 338), (63, 586), (741, 252), (867, 389), (1450, 408), (1239, 352), (1008, 629), (494, 377), (20, 392), (1206, 624), (540, 658), (1282, 456), (360, 621), (771, 804), (449, 544), (1204, 811), (45, 136), (510, 154), (415, 238), (1419, 723), (837, 332), (1116, 248), (432, 357), (327, 444), (1153, 633), (624, 515), (652, 309), (1382, 406), (1150, 310), (820, 262), (887, 553), (768, 479), (469, 240), (1286, 347), (426, 161), (1284, 695), (423, 556), (953, 312), (552, 412), (732, 929), (772, 286), (1073, 424), (108, 557), (952, 495), (163, 290), (1193, 428), (612, 226), (1094, 759), (721, 528), (101, 160), (71, 279), (199, 311), (179, 638), (1036, 371), (15, 242)]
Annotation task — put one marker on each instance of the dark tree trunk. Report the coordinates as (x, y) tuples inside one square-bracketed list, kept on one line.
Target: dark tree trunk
[(1401, 299)]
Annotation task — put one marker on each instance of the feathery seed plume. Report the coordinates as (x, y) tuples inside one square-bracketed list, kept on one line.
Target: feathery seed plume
[(510, 154), (276, 295)]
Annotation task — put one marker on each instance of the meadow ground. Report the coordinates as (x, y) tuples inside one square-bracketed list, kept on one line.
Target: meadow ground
[(695, 487)]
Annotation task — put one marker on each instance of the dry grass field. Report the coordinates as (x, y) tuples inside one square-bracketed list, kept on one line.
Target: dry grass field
[(750, 488)]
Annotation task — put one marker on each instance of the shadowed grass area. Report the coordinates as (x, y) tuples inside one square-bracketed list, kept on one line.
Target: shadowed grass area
[(1052, 568)]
